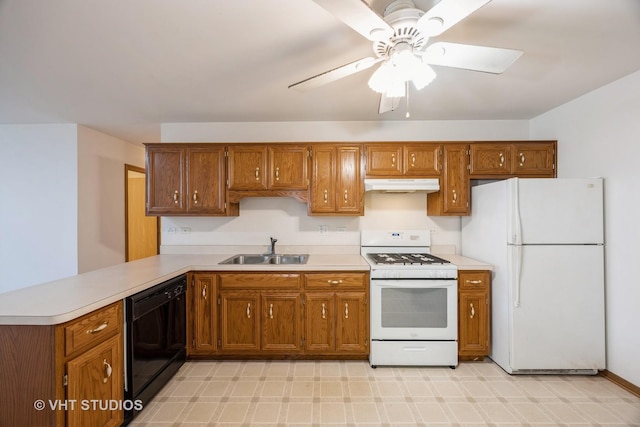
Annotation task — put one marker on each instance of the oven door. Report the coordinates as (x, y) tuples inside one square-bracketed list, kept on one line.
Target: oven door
[(414, 309)]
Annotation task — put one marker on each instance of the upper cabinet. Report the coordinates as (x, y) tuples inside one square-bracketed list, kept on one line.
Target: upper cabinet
[(399, 160), (510, 159), (186, 179), (268, 167), (454, 197), (336, 180)]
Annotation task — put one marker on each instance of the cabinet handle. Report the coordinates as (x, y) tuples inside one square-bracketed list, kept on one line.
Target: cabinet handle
[(195, 197), (413, 159), (248, 310), (473, 282), (334, 282), (326, 196), (346, 310), (472, 311), (455, 196), (175, 197), (346, 196), (270, 311), (522, 159), (204, 291), (99, 328), (277, 173), (393, 160), (324, 312), (258, 174), (108, 370), (501, 159)]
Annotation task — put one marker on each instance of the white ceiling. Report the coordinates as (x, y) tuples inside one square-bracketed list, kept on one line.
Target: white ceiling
[(125, 66)]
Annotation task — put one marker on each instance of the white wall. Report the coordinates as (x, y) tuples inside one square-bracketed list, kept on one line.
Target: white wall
[(287, 219), (598, 136), (101, 214), (39, 208)]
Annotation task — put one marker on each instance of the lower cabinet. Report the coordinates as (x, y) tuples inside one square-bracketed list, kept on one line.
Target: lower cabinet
[(279, 315), (474, 314)]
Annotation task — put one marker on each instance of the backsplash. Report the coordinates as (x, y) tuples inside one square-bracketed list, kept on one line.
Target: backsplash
[(287, 220)]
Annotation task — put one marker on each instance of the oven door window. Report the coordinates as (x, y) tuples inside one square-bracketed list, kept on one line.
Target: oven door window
[(414, 308)]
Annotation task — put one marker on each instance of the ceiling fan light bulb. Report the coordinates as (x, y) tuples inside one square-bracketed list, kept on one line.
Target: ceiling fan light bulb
[(422, 76), (380, 78)]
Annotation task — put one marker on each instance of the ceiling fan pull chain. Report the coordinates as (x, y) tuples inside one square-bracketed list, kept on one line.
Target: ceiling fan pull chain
[(407, 115)]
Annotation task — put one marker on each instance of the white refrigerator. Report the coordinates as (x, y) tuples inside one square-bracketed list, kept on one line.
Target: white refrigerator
[(545, 240)]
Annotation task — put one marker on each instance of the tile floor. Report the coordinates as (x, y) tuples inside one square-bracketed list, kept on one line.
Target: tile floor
[(350, 393)]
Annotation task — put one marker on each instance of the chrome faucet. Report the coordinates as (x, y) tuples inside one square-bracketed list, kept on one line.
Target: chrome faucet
[(273, 246)]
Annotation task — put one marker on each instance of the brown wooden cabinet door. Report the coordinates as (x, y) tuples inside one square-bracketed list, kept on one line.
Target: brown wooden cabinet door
[(247, 167), (288, 167), (384, 160), (489, 159), (349, 189), (320, 322), (456, 189), (281, 319), (96, 375), (239, 321), (474, 313), (323, 179), (165, 180), (205, 180), (352, 334), (422, 159), (202, 316), (534, 159)]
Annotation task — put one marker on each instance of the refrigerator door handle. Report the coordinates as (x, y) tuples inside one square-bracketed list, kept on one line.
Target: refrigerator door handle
[(517, 238), (518, 271)]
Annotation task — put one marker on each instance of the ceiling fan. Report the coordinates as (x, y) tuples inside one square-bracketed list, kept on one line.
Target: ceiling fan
[(401, 44)]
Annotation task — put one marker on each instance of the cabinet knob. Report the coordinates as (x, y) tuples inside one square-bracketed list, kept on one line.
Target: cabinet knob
[(195, 197), (108, 370), (270, 311), (324, 312), (175, 197), (346, 196), (393, 160), (99, 328), (346, 310), (501, 159), (522, 159), (473, 282), (204, 291), (248, 310), (455, 196), (258, 173), (334, 282), (472, 311), (326, 196), (277, 174), (413, 159)]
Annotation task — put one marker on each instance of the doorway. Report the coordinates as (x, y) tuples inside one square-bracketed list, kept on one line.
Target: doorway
[(141, 231)]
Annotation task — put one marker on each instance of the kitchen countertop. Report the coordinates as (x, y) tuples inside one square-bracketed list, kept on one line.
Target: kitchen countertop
[(65, 299)]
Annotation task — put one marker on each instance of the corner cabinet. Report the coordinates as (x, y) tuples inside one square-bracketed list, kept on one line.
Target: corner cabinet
[(474, 314), (512, 159), (76, 362), (186, 179), (454, 197), (337, 187)]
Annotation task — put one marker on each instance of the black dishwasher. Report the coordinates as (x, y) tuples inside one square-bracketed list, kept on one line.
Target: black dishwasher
[(155, 345)]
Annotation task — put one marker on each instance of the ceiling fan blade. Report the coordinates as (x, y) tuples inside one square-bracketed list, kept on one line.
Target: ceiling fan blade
[(335, 74), (446, 14), (358, 15), (388, 103), (475, 58)]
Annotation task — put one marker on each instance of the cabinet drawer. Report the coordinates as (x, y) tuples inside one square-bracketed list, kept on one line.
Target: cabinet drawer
[(336, 281), (474, 279), (92, 328), (260, 281)]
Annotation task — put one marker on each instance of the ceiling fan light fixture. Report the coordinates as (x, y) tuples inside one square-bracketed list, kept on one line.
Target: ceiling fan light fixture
[(422, 75)]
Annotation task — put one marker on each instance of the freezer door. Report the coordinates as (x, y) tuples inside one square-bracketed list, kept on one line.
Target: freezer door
[(555, 211), (557, 307)]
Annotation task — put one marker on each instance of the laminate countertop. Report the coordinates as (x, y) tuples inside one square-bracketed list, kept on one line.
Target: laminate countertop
[(65, 299)]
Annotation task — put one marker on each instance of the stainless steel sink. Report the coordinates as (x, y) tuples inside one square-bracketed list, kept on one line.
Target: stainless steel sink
[(266, 259)]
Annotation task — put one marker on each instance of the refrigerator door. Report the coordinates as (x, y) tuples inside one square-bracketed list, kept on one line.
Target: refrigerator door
[(557, 307), (555, 211)]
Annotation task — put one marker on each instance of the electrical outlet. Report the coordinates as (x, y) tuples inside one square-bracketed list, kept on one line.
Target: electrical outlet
[(324, 229), (171, 230)]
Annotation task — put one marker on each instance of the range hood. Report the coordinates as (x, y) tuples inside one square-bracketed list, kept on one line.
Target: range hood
[(402, 185)]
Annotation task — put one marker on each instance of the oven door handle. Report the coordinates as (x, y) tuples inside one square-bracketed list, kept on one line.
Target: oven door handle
[(415, 284)]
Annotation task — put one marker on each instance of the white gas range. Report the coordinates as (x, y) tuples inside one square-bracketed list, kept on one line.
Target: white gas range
[(414, 300)]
